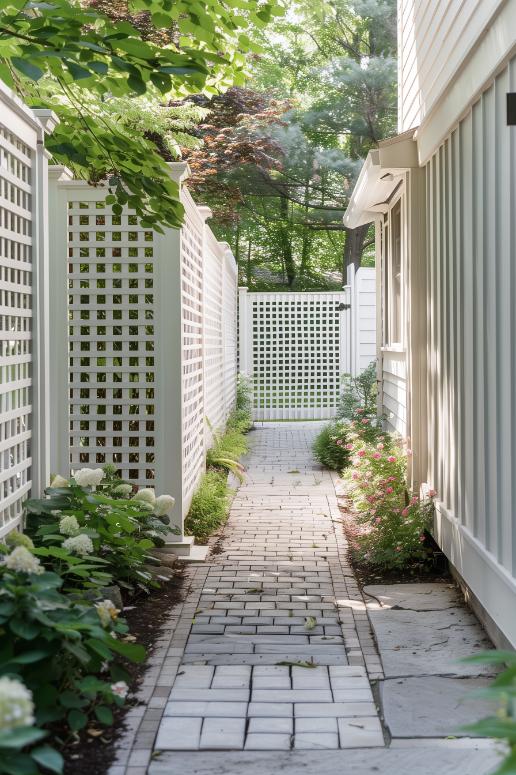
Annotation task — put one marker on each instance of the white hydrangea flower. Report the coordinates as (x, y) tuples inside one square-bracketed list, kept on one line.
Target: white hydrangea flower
[(23, 561), (107, 612), (16, 705), (68, 526), (88, 477), (59, 481), (15, 538), (120, 688), (163, 505), (79, 544), (146, 494), (123, 489)]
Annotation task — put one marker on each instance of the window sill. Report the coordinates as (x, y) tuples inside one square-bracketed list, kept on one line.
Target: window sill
[(393, 348)]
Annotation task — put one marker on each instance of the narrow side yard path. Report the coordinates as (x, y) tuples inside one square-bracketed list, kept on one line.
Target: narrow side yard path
[(270, 662)]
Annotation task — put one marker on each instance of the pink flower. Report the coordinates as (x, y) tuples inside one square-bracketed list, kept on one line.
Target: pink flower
[(361, 453), (405, 512), (360, 411), (389, 490), (422, 537), (377, 521), (409, 453), (414, 500), (397, 548), (391, 479), (377, 456), (395, 511), (380, 446), (349, 446), (365, 421), (391, 459), (339, 442), (355, 475), (432, 493)]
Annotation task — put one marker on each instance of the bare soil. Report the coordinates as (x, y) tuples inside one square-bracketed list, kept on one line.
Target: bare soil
[(93, 752)]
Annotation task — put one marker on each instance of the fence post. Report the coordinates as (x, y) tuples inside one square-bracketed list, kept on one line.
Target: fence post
[(58, 320), (346, 333), (41, 371), (245, 341)]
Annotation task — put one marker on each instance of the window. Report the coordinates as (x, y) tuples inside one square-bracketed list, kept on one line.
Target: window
[(392, 269)]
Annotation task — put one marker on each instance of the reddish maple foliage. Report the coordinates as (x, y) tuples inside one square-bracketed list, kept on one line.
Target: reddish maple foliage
[(235, 136)]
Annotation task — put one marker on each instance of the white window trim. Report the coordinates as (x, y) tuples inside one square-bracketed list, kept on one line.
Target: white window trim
[(387, 346)]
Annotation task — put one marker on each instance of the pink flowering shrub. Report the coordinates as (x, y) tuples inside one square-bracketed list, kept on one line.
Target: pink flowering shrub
[(394, 522)]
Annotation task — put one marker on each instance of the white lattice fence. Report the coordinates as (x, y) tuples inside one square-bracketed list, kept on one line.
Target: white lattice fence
[(139, 350), (295, 346), (23, 459)]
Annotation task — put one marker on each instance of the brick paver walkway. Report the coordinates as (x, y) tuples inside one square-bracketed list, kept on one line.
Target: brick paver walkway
[(276, 654)]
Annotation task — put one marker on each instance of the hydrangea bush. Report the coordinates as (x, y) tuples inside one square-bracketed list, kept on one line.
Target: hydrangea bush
[(59, 661), (97, 530)]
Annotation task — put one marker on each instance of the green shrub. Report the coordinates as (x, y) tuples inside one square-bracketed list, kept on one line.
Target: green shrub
[(330, 446), (209, 507), (501, 724), (52, 652), (394, 522), (95, 530), (359, 392)]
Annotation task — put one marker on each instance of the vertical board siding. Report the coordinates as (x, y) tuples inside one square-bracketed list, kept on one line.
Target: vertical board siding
[(471, 275), (17, 157), (434, 39)]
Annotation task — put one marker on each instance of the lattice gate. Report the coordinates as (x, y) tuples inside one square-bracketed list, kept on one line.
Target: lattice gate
[(295, 347)]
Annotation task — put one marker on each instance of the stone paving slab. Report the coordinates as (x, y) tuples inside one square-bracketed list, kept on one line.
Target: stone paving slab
[(433, 757), (432, 707)]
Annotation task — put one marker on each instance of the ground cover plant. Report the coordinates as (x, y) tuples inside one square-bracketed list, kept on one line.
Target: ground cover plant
[(210, 504), (330, 446)]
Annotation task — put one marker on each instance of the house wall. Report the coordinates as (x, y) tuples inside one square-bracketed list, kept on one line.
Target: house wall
[(469, 289), (435, 39)]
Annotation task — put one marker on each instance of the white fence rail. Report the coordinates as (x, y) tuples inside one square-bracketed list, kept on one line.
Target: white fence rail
[(296, 346), (140, 348)]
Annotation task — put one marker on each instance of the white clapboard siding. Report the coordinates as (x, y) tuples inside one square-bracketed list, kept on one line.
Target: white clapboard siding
[(23, 307), (434, 39), (144, 339), (394, 391), (471, 373)]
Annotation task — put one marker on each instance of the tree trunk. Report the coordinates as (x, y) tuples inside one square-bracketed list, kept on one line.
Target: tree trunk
[(353, 249), (286, 244), (249, 272)]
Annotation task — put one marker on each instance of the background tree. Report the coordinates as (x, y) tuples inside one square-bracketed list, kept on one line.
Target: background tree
[(78, 58), (320, 96)]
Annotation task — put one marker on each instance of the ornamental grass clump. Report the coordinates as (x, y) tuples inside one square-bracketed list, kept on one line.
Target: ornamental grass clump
[(393, 521)]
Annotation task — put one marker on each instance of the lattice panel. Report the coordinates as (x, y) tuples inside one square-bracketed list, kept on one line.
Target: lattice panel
[(213, 333), (15, 326), (192, 350), (111, 341), (296, 341), (230, 331)]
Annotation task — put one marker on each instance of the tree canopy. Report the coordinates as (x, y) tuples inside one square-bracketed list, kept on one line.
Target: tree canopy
[(79, 58)]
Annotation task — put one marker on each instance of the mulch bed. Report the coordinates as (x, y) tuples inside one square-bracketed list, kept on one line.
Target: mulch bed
[(94, 751), (435, 569)]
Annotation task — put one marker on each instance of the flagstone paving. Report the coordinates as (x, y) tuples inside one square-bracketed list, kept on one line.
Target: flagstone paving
[(270, 661)]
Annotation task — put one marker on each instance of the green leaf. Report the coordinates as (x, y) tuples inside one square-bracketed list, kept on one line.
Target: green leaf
[(504, 729), (132, 651), (28, 657), (72, 700), (27, 68), (77, 720), (49, 758), (76, 71), (508, 766), (20, 737), (104, 715), (24, 629)]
